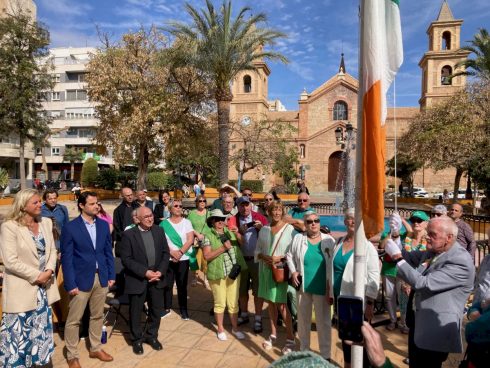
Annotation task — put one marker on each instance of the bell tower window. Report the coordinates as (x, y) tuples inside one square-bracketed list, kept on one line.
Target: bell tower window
[(340, 111), (247, 84), (302, 150), (446, 73), (446, 40)]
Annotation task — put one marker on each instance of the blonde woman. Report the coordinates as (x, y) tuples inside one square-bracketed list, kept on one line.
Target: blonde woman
[(272, 245), (29, 254)]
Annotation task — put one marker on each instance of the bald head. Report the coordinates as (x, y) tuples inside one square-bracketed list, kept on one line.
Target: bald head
[(456, 211), (303, 201), (145, 217), (127, 195)]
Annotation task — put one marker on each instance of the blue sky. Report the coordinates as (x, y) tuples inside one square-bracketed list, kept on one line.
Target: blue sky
[(318, 30)]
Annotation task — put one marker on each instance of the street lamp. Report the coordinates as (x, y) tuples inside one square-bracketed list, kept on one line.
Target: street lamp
[(346, 141)]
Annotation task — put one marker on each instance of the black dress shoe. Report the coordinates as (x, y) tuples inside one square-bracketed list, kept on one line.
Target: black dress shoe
[(138, 348), (154, 343), (184, 315)]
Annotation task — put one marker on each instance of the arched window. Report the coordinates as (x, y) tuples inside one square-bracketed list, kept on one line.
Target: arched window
[(247, 84), (302, 151), (446, 41), (446, 73), (340, 111)]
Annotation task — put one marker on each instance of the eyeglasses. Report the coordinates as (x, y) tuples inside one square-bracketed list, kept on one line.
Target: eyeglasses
[(269, 199), (437, 214), (202, 201), (316, 221), (148, 217), (177, 206), (247, 194), (302, 200)]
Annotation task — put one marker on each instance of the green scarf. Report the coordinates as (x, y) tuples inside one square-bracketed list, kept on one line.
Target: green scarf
[(177, 240)]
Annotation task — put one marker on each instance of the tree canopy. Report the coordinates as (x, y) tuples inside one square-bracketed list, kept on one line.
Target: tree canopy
[(479, 66), (24, 80)]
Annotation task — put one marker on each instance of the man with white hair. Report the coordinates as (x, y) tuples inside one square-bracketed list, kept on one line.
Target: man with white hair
[(441, 279), (439, 210)]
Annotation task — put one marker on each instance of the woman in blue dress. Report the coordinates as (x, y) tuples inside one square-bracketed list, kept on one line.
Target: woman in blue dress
[(29, 254)]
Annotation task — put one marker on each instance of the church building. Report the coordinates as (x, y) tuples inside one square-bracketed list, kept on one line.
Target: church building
[(331, 106)]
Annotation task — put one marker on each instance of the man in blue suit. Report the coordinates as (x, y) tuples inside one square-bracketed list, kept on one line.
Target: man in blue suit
[(88, 270)]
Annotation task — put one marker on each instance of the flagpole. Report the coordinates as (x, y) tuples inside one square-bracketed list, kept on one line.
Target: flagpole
[(359, 237)]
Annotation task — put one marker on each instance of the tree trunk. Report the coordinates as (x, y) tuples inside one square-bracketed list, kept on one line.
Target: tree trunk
[(457, 178), (223, 100), (143, 161), (22, 167), (72, 170)]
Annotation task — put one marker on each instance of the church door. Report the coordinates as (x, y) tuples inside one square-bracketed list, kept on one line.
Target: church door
[(335, 172)]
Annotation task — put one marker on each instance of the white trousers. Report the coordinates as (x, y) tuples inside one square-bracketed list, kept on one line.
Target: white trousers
[(392, 287), (323, 322)]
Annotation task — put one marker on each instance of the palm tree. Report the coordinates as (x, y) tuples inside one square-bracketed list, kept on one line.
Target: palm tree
[(72, 155), (224, 47), (479, 66)]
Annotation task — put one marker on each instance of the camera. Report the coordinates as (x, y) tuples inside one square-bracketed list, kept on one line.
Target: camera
[(223, 238), (250, 224)]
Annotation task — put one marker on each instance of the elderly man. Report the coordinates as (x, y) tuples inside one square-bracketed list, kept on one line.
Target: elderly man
[(248, 223), (465, 232), (123, 216), (439, 210), (441, 279), (296, 214), (142, 200), (145, 256)]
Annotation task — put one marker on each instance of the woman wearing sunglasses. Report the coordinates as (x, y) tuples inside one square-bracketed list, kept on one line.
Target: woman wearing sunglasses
[(309, 261), (198, 217), (180, 238), (272, 245), (343, 274), (269, 198)]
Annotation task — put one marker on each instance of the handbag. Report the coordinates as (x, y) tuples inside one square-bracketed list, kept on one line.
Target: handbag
[(280, 270)]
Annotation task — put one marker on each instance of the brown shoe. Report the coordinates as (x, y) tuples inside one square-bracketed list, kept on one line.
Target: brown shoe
[(74, 363), (101, 355)]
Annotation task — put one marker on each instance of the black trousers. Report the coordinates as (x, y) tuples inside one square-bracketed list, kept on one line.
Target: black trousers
[(154, 297), (178, 272)]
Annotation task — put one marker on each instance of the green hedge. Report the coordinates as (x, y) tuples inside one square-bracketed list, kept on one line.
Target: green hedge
[(159, 180), (255, 185)]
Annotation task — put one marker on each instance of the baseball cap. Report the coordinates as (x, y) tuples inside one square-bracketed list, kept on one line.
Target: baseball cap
[(420, 215), (243, 199)]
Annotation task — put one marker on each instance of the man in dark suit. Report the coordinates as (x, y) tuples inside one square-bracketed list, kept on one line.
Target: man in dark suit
[(145, 256), (123, 216), (88, 270), (441, 279)]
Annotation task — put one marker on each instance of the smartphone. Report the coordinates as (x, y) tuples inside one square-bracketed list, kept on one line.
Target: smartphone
[(300, 280), (250, 224), (350, 318)]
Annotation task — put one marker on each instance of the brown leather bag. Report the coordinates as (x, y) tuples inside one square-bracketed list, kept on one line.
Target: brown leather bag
[(280, 270)]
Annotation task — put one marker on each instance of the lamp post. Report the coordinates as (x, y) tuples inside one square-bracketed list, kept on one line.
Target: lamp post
[(346, 141)]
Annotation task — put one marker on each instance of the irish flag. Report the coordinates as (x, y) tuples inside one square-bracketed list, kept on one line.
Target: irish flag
[(381, 57)]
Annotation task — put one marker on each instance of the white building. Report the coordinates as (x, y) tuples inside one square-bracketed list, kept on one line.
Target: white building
[(73, 116)]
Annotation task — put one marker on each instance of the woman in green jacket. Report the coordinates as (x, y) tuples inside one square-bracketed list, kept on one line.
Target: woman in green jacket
[(221, 250)]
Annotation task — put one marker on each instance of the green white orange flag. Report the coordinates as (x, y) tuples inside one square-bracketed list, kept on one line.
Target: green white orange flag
[(381, 57)]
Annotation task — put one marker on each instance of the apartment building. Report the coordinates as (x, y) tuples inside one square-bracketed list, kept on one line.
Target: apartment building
[(73, 117)]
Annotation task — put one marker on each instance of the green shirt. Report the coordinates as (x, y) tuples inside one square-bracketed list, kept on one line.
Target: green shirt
[(198, 222), (315, 270), (339, 263)]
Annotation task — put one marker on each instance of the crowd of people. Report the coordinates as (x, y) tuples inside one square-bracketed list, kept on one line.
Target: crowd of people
[(284, 259)]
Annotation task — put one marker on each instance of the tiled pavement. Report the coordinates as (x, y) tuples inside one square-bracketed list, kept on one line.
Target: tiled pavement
[(194, 343)]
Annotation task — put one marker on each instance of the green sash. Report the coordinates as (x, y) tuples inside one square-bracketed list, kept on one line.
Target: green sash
[(177, 240)]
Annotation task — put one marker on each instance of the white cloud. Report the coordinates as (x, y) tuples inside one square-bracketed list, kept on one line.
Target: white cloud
[(303, 71), (66, 7)]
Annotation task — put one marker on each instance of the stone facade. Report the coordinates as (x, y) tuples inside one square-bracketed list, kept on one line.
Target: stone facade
[(334, 103)]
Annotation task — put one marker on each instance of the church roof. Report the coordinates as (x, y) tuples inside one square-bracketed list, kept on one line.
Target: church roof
[(445, 13), (337, 79)]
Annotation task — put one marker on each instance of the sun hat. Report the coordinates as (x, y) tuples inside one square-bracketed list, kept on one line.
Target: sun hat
[(420, 215), (216, 213)]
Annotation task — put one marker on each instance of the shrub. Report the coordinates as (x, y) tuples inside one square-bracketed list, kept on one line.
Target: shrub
[(89, 172), (107, 178), (4, 178), (159, 180), (255, 185)]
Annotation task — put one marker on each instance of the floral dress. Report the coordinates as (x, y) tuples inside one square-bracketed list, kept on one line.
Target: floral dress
[(27, 338)]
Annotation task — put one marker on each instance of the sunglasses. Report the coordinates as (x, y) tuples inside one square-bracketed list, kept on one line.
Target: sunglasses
[(177, 206), (302, 200), (247, 194), (202, 201), (316, 221), (437, 214), (416, 220)]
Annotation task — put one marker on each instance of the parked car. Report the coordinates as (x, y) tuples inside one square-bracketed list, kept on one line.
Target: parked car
[(419, 192)]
